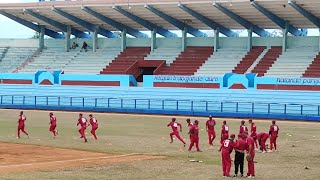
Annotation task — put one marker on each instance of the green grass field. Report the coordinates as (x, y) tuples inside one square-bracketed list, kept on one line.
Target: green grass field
[(123, 134)]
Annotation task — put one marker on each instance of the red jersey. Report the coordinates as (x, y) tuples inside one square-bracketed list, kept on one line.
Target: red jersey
[(82, 121), (94, 122), (53, 120), (250, 142), (210, 125), (241, 145), (262, 135), (224, 129), (274, 130), (253, 128), (194, 131), (243, 128), (174, 125), (227, 145), (22, 119)]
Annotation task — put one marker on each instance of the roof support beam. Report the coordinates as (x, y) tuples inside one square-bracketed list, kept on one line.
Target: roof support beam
[(191, 30), (312, 18), (33, 26), (85, 24), (114, 23), (57, 24), (279, 21), (214, 25), (149, 25), (245, 23)]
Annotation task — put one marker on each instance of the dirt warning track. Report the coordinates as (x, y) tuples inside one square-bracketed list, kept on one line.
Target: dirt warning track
[(22, 158)]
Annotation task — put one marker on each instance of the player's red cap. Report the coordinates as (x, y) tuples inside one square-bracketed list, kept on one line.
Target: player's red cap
[(51, 114), (196, 121), (21, 112), (90, 115), (188, 119), (233, 135), (173, 119), (273, 121), (242, 122), (224, 122), (80, 114), (250, 120)]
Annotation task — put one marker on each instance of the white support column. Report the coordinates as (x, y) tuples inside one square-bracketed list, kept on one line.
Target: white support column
[(41, 37), (216, 39), (319, 40), (285, 38), (123, 39), (95, 40), (184, 39), (153, 39), (67, 35), (249, 45)]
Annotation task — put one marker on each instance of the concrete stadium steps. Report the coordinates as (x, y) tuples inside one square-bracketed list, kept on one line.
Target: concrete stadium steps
[(293, 62), (221, 62), (313, 71), (167, 54), (14, 57), (267, 61), (129, 56), (3, 52), (73, 62), (154, 98), (188, 61), (248, 60)]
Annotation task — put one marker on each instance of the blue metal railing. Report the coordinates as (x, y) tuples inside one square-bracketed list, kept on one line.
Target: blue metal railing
[(177, 106)]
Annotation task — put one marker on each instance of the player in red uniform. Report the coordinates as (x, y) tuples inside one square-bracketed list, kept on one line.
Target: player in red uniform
[(243, 128), (194, 136), (240, 147), (83, 123), (174, 125), (251, 153), (226, 149), (53, 125), (190, 124), (94, 124), (224, 132), (262, 139), (273, 132), (253, 131), (21, 125), (210, 129)]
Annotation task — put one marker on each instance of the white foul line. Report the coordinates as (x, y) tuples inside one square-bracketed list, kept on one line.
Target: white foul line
[(71, 160)]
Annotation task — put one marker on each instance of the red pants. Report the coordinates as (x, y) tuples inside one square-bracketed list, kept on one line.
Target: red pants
[(226, 162), (263, 144), (251, 165), (194, 140), (53, 129), (211, 136), (273, 141), (254, 134), (21, 128), (176, 133), (93, 131), (224, 137), (82, 133)]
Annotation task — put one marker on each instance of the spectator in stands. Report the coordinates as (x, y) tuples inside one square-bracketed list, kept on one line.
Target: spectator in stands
[(74, 45), (84, 46)]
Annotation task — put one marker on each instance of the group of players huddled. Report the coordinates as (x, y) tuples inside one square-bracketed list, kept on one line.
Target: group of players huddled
[(245, 144), (82, 121)]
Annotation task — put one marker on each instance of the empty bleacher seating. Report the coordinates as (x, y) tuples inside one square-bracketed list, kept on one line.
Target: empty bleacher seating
[(248, 60), (14, 57), (293, 62), (188, 61), (167, 54), (221, 62), (313, 71), (128, 57), (267, 61)]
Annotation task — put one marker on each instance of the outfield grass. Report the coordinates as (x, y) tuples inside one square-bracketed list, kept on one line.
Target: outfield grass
[(122, 134)]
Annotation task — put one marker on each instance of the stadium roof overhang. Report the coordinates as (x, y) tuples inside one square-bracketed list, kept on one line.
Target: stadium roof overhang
[(243, 8)]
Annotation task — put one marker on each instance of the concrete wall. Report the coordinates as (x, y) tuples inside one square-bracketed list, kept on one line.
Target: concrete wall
[(224, 42)]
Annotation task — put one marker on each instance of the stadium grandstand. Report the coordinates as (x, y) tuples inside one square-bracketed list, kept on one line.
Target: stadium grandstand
[(221, 44)]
